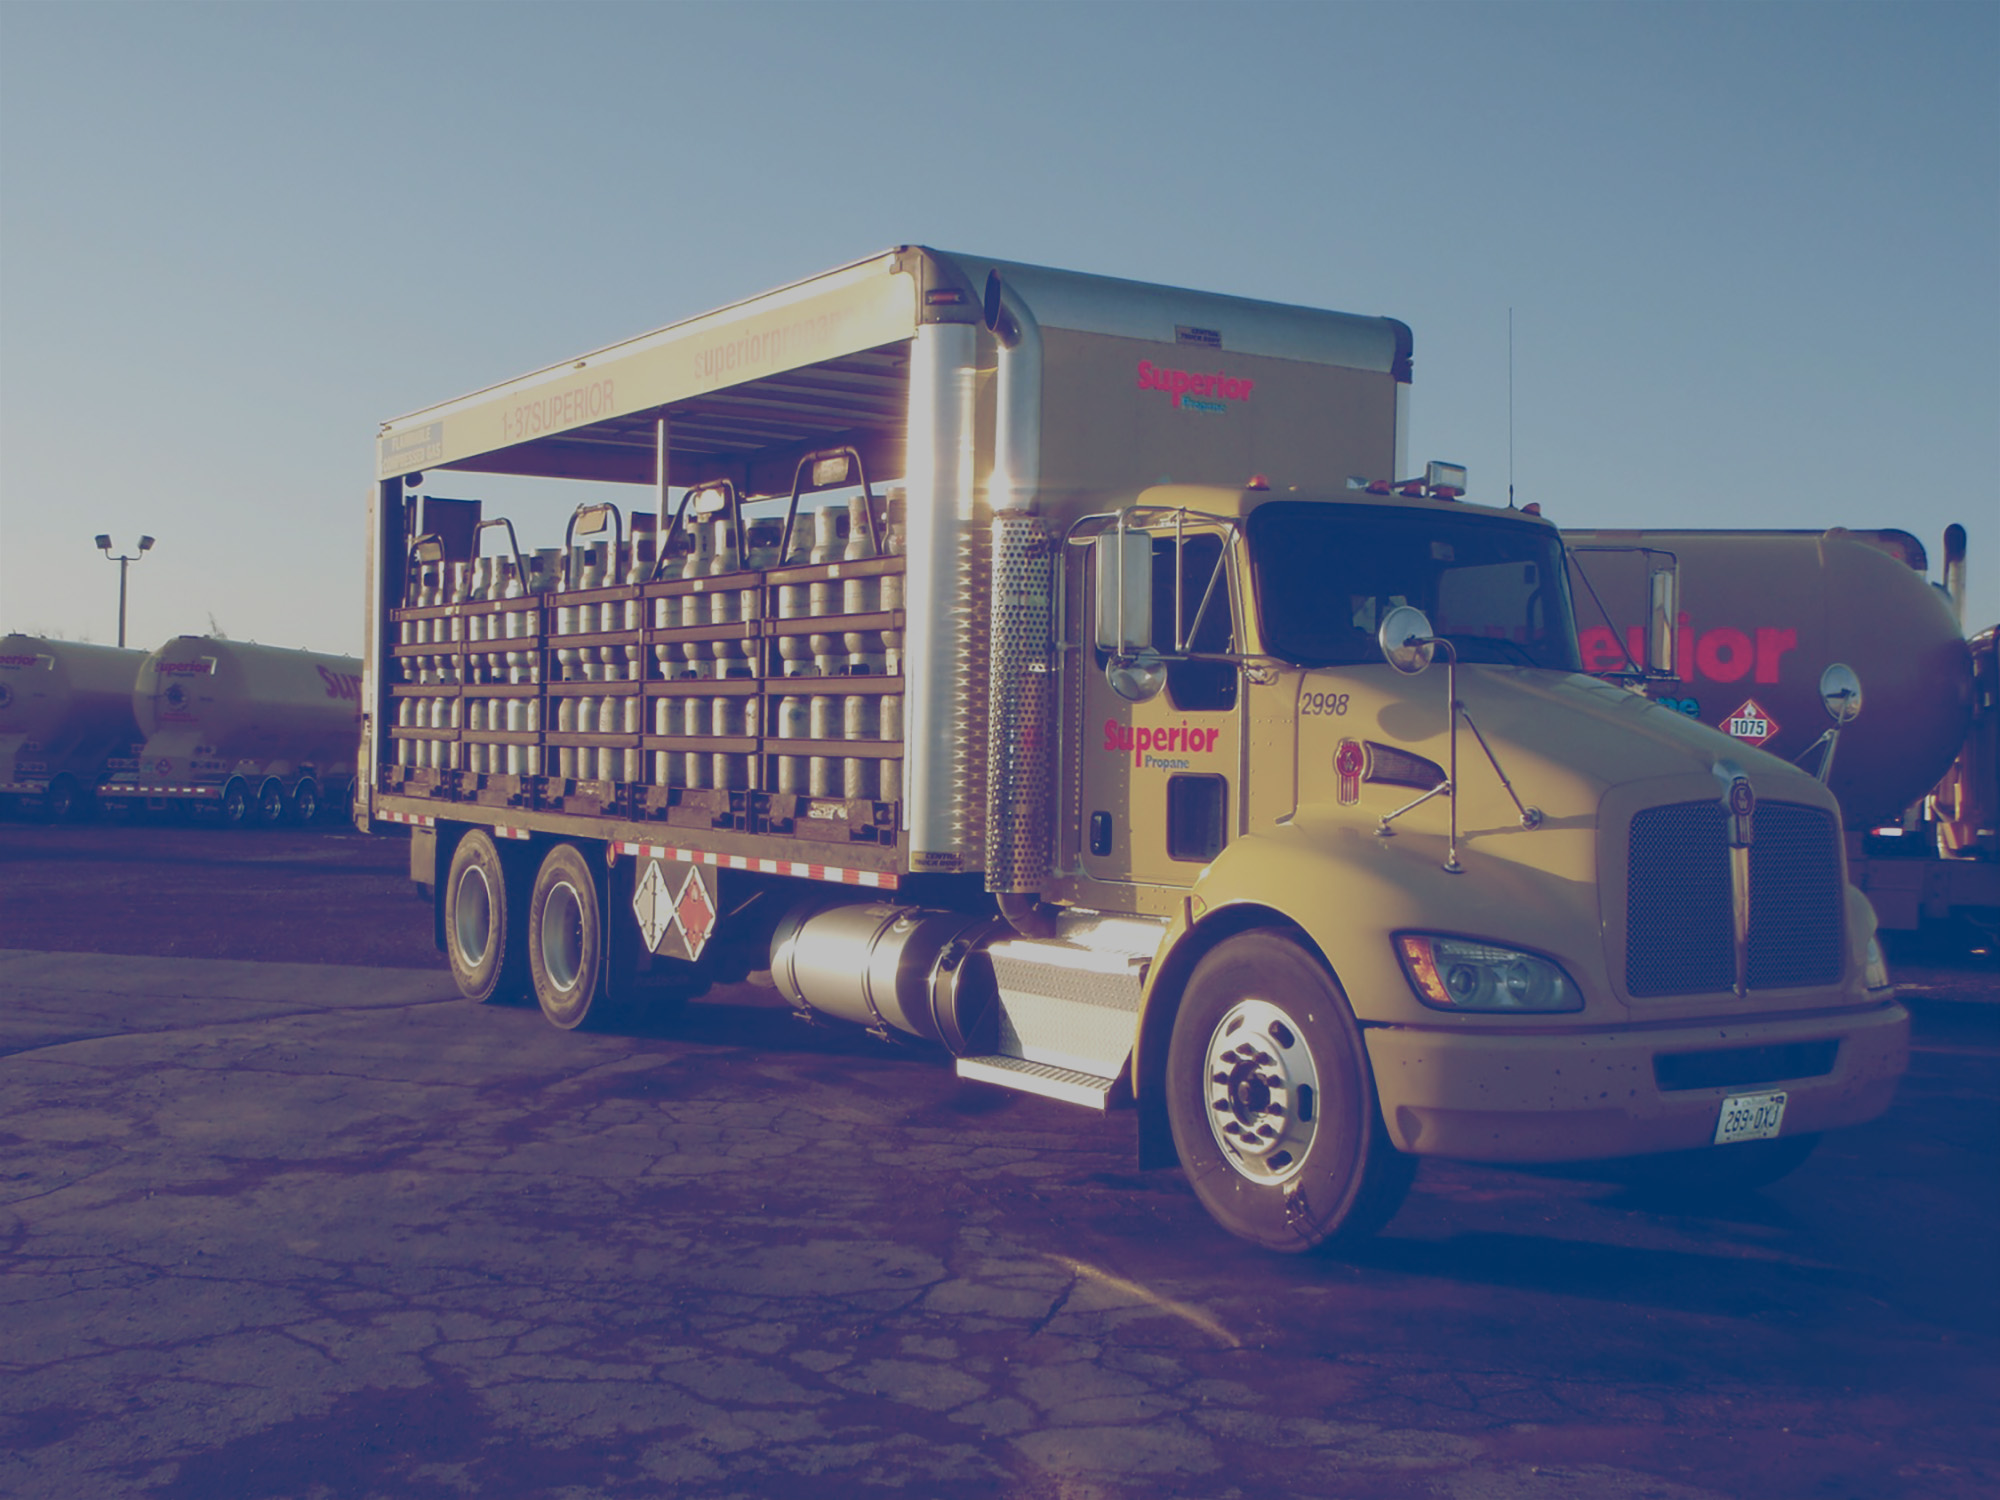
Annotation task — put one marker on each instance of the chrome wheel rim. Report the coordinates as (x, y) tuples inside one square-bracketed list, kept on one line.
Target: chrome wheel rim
[(472, 925), (562, 936), (1262, 1089)]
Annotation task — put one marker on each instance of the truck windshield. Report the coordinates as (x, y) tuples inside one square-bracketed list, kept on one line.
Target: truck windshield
[(1326, 575)]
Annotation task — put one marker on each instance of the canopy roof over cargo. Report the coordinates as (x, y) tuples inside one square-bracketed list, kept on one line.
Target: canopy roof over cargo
[(747, 390)]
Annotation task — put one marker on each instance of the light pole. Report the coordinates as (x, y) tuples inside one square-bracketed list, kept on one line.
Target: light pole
[(124, 561)]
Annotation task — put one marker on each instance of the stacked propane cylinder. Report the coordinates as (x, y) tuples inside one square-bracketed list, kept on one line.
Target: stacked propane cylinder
[(65, 710), (694, 663)]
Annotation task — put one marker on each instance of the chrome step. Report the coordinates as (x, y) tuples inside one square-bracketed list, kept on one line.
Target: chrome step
[(1051, 1082)]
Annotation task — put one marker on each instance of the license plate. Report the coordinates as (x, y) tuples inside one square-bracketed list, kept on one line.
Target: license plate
[(1750, 1117)]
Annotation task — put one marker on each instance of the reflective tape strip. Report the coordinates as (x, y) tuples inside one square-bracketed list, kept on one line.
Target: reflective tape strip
[(418, 819), (880, 880), (159, 791), (500, 832)]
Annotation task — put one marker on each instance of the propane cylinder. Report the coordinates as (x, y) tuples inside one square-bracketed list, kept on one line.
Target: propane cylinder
[(694, 606), (793, 723), (795, 603), (890, 596), (1763, 613), (725, 605), (823, 596), (860, 596)]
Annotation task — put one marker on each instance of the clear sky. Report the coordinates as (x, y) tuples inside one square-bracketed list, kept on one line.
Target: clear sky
[(1752, 251)]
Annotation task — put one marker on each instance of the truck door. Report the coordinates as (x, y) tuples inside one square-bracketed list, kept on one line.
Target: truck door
[(1159, 778)]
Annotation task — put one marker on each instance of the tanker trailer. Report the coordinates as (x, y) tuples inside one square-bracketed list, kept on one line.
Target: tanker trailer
[(246, 733), (1761, 616), (65, 712)]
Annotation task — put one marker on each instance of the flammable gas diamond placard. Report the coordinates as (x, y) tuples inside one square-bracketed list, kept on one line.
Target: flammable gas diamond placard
[(653, 905), (1751, 723)]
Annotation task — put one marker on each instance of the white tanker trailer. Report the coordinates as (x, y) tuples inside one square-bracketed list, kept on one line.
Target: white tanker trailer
[(65, 713), (253, 734)]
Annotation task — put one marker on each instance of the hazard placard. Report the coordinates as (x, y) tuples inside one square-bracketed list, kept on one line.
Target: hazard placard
[(1751, 723), (675, 908)]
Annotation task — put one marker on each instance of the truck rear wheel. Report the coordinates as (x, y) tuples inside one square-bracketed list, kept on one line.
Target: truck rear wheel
[(305, 802), (1272, 1103), (235, 806), (485, 921), (566, 941)]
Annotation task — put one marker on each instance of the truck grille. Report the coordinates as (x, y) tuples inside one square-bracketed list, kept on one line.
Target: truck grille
[(1678, 910)]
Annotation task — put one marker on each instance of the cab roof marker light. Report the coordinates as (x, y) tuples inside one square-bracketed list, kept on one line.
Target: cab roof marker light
[(1445, 481)]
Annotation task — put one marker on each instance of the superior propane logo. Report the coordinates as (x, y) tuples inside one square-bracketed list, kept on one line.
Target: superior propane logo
[(1175, 745), (1192, 391)]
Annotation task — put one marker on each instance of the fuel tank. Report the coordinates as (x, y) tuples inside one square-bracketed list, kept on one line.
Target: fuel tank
[(1762, 614), (64, 705), (232, 701)]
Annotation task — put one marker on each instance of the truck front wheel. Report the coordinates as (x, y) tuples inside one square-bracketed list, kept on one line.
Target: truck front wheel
[(1272, 1103), (566, 940), (485, 922)]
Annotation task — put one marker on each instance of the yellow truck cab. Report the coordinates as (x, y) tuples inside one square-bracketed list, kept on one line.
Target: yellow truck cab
[(1056, 669)]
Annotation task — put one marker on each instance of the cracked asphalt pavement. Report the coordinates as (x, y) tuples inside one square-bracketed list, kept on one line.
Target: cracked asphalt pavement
[(322, 1229)]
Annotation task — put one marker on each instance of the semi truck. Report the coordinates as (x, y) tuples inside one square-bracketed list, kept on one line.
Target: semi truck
[(248, 734), (1070, 676), (1762, 616), (65, 721)]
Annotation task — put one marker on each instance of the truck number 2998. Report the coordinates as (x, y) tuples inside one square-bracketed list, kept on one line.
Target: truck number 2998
[(1322, 703)]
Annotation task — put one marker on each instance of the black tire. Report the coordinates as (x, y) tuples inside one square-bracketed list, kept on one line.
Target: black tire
[(1719, 1171), (234, 809), (305, 802), (486, 921), (63, 802), (271, 803), (1267, 1055), (566, 941)]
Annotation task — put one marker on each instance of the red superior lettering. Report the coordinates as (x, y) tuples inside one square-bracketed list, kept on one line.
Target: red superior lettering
[(1724, 654), (1184, 738), (1179, 383), (341, 684)]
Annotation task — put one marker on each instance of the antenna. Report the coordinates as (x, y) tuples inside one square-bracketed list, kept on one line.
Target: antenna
[(1510, 408)]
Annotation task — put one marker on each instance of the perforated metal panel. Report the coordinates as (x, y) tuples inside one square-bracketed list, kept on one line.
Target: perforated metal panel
[(1677, 922), (1678, 927), (1795, 898), (1020, 736)]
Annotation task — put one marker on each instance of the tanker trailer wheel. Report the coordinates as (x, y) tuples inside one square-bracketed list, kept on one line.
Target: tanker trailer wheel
[(235, 806), (486, 921), (1272, 1103), (271, 803), (63, 801), (305, 802), (566, 941)]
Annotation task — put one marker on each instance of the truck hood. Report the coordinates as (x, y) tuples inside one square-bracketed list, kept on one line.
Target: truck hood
[(1562, 739)]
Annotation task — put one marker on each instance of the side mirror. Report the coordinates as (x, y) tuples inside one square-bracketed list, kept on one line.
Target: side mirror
[(1406, 639), (1662, 605), (1124, 592), (1840, 691)]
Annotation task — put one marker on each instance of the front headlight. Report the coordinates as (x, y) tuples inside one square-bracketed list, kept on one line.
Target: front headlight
[(1459, 974), (1876, 975)]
